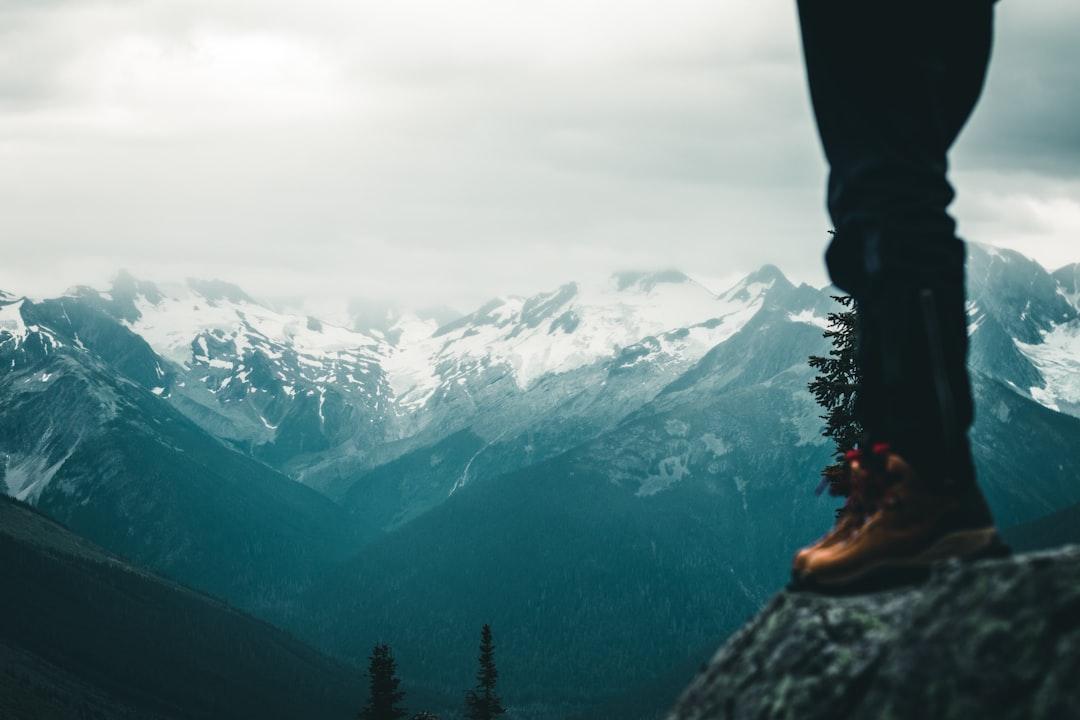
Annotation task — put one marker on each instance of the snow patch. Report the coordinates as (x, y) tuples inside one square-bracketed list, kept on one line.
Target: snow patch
[(740, 486), (1001, 411), (669, 471), (1057, 358), (11, 322), (182, 323), (807, 316), (1044, 397), (608, 319), (27, 476), (676, 428), (715, 445)]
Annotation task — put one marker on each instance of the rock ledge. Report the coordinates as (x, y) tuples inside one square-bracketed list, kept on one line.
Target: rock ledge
[(994, 639)]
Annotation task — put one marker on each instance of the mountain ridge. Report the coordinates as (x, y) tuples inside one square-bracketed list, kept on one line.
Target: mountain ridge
[(662, 429), (84, 633)]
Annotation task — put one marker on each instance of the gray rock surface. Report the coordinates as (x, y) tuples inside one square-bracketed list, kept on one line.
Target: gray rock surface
[(995, 639)]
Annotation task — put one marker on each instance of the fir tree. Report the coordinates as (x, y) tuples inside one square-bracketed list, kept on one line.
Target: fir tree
[(836, 381), (482, 703), (383, 682)]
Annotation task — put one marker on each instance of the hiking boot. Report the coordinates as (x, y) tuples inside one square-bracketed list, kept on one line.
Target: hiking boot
[(853, 481), (847, 522), (915, 525)]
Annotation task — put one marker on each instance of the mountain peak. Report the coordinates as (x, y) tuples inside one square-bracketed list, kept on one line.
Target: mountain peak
[(120, 299), (1068, 278), (219, 290), (767, 273), (126, 287), (978, 252), (767, 278), (11, 320)]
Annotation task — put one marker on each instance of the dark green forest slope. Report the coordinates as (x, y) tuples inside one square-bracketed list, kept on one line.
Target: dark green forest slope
[(85, 635)]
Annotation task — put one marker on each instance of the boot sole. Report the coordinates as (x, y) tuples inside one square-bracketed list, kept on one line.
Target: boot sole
[(888, 573)]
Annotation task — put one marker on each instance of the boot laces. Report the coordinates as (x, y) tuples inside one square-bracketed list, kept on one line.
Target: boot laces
[(863, 489)]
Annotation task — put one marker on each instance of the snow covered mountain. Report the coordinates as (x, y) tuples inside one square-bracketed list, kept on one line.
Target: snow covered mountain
[(1025, 326), (577, 325), (515, 347), (85, 438), (634, 458), (515, 381), (497, 407), (282, 386), (322, 402)]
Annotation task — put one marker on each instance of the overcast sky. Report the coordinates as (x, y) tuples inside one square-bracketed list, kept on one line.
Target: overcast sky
[(444, 152)]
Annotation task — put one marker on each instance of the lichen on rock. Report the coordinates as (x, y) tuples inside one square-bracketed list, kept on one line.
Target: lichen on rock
[(993, 639)]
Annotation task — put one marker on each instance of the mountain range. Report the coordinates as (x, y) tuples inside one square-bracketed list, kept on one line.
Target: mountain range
[(614, 475)]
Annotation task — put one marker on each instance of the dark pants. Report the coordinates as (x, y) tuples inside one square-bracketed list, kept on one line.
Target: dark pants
[(892, 85)]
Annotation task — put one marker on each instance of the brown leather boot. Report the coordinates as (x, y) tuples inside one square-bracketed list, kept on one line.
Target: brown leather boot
[(853, 481), (916, 524)]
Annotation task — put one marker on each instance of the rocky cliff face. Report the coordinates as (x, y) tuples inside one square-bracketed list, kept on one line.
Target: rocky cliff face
[(997, 639)]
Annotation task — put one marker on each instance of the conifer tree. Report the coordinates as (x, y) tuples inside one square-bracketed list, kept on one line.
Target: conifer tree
[(383, 683), (835, 384), (482, 703)]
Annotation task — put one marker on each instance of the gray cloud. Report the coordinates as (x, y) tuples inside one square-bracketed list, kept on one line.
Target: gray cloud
[(1027, 120), (428, 153)]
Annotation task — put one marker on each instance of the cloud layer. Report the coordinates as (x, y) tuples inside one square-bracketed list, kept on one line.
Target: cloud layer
[(445, 152)]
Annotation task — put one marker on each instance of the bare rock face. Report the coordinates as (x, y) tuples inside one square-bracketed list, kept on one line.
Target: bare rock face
[(994, 639)]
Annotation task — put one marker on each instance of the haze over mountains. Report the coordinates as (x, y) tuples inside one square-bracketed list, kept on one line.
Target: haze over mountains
[(613, 475)]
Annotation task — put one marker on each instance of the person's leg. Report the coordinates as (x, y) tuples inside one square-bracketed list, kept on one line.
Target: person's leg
[(892, 85)]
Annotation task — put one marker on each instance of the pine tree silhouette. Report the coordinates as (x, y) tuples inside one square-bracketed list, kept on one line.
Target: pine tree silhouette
[(383, 683), (482, 703), (835, 384)]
